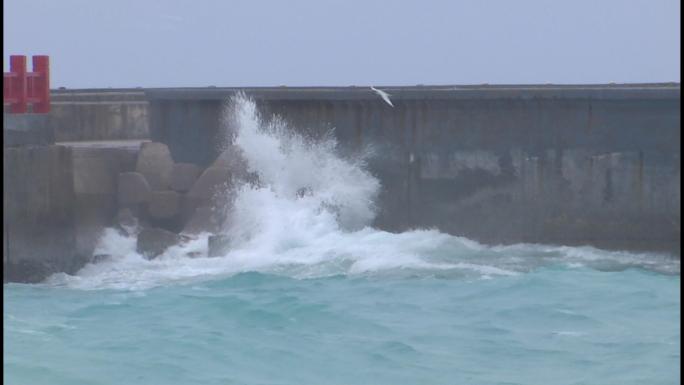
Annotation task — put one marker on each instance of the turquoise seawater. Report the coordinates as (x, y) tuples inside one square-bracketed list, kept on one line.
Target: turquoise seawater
[(552, 325)]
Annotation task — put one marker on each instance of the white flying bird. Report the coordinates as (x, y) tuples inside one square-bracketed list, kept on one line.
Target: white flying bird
[(384, 95)]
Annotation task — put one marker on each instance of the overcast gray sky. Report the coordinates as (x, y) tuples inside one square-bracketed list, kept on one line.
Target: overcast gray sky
[(130, 43)]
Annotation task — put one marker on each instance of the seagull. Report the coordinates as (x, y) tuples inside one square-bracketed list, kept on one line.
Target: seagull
[(384, 95)]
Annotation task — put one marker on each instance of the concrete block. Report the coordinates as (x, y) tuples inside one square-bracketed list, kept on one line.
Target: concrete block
[(184, 175), (218, 245), (202, 220), (163, 204), (133, 189), (85, 116), (212, 181), (156, 164), (127, 222), (95, 171), (153, 242), (232, 159)]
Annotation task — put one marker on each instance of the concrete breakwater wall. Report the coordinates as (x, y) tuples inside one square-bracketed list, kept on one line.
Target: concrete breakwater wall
[(59, 199), (106, 114), (38, 212), (596, 165)]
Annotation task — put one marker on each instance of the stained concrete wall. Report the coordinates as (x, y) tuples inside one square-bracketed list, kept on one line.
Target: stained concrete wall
[(56, 198), (26, 129), (595, 165), (39, 221), (95, 180), (106, 114)]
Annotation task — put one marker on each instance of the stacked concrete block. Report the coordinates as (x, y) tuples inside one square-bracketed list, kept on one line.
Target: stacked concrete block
[(156, 164), (183, 176), (163, 204), (166, 199), (133, 189)]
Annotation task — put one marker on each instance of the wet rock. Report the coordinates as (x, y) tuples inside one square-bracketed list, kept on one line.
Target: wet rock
[(152, 242), (29, 271), (218, 245), (133, 189), (183, 176), (156, 164), (202, 220), (163, 204)]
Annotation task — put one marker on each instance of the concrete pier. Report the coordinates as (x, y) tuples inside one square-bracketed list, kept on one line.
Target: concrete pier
[(575, 165)]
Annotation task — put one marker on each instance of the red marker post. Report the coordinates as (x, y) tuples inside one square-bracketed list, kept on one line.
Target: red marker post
[(22, 88)]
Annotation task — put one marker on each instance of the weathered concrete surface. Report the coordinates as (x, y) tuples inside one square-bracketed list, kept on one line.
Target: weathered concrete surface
[(213, 181), (183, 176), (585, 164), (203, 219), (96, 173), (39, 217), (106, 114), (156, 164), (57, 199), (164, 205), (132, 190), (26, 129)]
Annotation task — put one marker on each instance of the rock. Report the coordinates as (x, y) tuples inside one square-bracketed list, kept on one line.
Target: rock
[(202, 220), (212, 181), (184, 175), (152, 242), (156, 164), (163, 204), (127, 222), (133, 189), (218, 245)]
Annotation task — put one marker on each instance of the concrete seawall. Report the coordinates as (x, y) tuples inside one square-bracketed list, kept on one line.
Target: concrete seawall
[(107, 114), (596, 165)]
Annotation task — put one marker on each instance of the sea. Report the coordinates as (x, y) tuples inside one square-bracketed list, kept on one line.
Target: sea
[(311, 293)]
